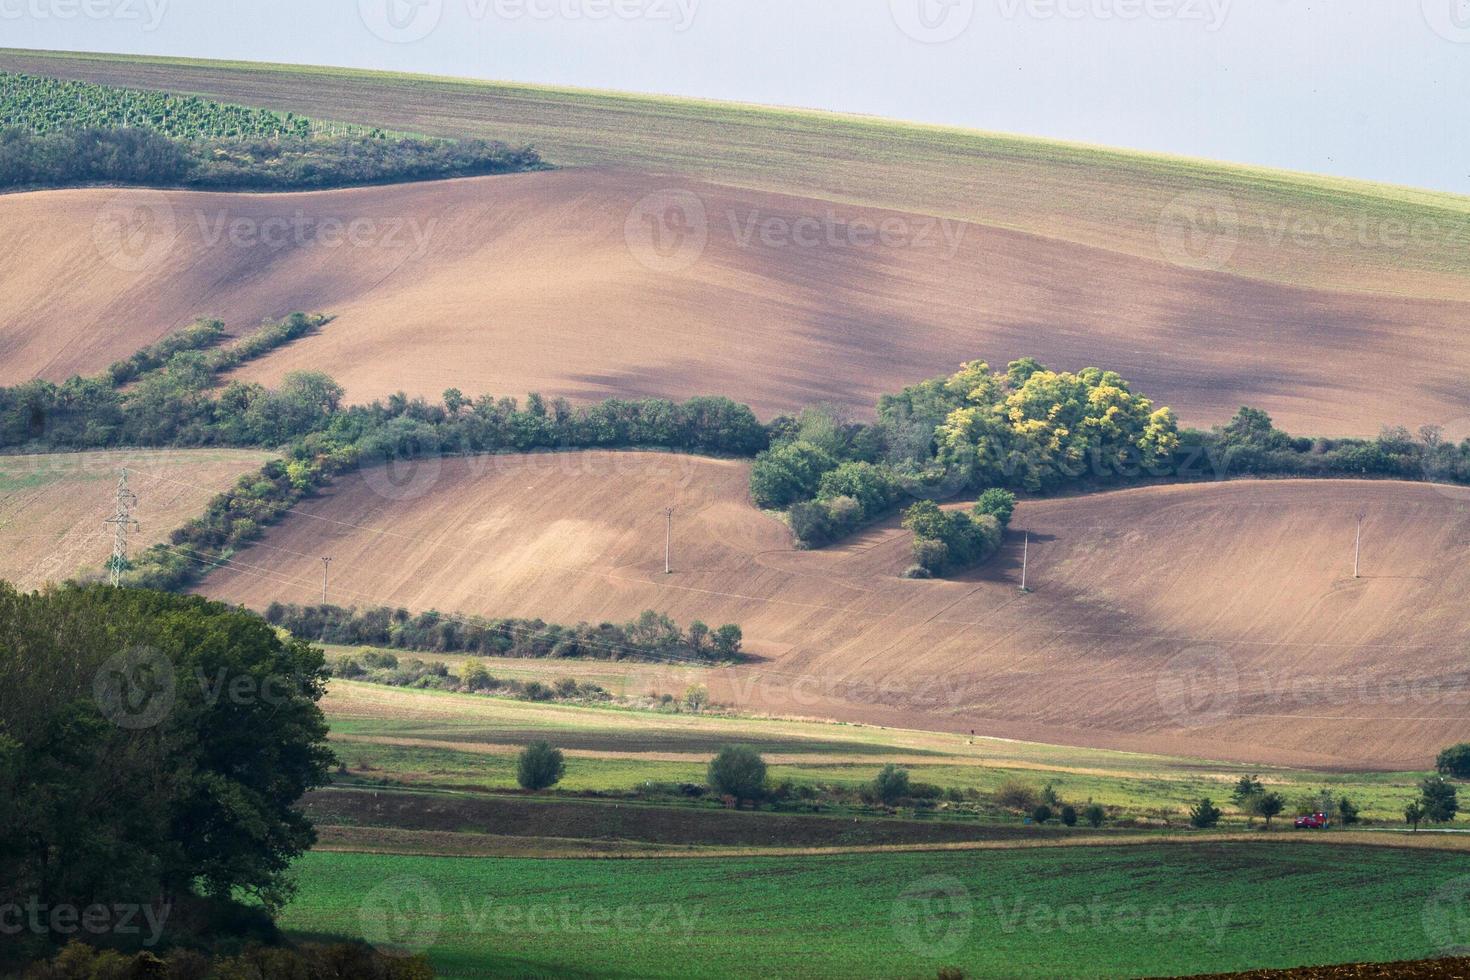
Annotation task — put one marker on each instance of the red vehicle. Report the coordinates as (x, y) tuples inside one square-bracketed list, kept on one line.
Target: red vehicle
[(1313, 821)]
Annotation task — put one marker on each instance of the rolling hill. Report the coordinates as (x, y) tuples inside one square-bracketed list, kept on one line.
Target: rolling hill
[(505, 285), (775, 256), (1218, 621)]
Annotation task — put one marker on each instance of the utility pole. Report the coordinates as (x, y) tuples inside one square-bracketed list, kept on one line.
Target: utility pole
[(1358, 549), (669, 542), (1025, 560), (121, 521), (326, 563)]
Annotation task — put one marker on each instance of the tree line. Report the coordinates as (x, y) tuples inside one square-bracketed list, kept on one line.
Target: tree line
[(651, 637)]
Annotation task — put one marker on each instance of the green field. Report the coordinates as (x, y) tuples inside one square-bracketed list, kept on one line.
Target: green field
[(1082, 911), (432, 738), (1111, 199)]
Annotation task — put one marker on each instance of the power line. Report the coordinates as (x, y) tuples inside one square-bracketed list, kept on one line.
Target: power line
[(121, 521)]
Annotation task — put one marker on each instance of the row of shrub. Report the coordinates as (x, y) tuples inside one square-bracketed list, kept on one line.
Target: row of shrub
[(651, 637), (381, 667), (308, 961), (143, 157)]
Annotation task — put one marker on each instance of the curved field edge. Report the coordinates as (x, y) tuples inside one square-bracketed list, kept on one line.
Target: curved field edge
[(1112, 199), (1042, 912)]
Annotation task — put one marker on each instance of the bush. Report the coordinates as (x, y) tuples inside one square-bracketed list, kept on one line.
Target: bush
[(873, 486), (540, 766), (738, 772), (1204, 815), (1454, 762), (1041, 814), (1014, 794), (891, 784), (788, 473), (811, 523), (1094, 815), (997, 503), (1069, 816)]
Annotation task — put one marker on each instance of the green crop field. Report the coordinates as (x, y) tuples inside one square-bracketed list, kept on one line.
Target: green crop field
[(48, 105), (1083, 911), (1382, 239)]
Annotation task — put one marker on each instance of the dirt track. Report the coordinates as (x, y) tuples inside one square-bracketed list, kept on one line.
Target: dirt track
[(1219, 621), (506, 285)]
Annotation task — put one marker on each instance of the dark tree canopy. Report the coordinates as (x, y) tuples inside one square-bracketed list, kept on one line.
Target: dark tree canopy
[(152, 745)]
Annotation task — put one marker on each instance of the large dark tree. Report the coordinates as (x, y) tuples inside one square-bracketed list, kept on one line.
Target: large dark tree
[(152, 748)]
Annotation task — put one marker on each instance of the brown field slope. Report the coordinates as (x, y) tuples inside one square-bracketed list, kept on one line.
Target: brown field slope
[(511, 284), (1220, 621), (52, 507)]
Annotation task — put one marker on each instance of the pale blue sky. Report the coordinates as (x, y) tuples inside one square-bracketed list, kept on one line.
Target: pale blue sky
[(1363, 88)]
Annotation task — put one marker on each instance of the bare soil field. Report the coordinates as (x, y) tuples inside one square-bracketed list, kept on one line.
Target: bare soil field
[(1215, 621), (52, 506), (1279, 226), (506, 285)]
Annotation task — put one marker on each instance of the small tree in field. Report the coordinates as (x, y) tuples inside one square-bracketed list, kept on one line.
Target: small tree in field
[(1094, 815), (1347, 811), (1204, 815), (1440, 800), (1041, 814), (696, 696), (738, 771), (1269, 805), (1414, 814), (891, 784), (540, 766), (1069, 816)]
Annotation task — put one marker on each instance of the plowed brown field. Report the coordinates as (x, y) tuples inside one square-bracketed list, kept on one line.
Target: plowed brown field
[(506, 285), (1219, 621)]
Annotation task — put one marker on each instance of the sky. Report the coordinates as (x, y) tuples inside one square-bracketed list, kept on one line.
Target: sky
[(1374, 89)]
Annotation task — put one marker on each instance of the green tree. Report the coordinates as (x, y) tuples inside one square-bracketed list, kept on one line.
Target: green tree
[(891, 784), (540, 766), (1069, 816), (131, 721), (1094, 815), (738, 771), (696, 697), (1414, 814), (727, 641), (789, 473), (997, 503), (1204, 815), (1439, 799), (1454, 762), (1041, 814), (1347, 812), (1246, 789), (1269, 805)]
